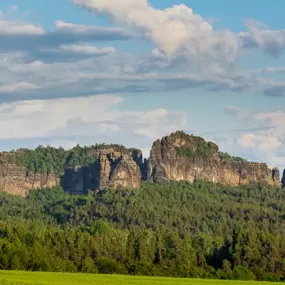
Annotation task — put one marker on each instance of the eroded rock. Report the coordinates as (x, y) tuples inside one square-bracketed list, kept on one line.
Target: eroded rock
[(187, 157), (15, 179)]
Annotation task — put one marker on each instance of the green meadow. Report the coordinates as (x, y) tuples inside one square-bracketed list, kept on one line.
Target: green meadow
[(38, 278)]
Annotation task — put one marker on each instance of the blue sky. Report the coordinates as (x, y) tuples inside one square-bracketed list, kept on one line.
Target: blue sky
[(125, 71)]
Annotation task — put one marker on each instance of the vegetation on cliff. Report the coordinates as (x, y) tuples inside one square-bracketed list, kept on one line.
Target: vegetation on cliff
[(199, 148), (49, 159), (224, 156), (203, 151), (178, 229), (196, 147)]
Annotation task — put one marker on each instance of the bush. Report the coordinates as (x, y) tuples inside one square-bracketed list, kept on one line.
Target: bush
[(242, 273), (271, 277), (109, 266)]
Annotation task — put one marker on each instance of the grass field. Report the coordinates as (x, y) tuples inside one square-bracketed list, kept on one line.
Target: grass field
[(31, 278)]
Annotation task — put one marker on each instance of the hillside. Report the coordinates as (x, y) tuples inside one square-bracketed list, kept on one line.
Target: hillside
[(180, 229), (188, 211), (177, 157)]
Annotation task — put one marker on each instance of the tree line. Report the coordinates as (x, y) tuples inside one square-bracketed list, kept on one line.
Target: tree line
[(46, 159)]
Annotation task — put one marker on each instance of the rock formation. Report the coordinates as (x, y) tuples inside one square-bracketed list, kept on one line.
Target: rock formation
[(125, 173), (173, 158), (112, 169), (186, 157), (15, 180)]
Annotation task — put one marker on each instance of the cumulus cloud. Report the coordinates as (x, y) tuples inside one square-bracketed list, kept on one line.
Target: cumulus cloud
[(97, 119), (267, 141), (67, 61), (175, 31), (179, 31), (263, 146)]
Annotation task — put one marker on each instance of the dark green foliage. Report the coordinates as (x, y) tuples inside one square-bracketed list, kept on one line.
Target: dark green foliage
[(200, 150), (205, 150), (201, 230), (40, 160), (242, 273), (226, 157), (49, 159), (197, 146)]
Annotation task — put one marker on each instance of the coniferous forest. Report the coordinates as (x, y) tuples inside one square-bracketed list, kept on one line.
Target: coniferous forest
[(178, 229)]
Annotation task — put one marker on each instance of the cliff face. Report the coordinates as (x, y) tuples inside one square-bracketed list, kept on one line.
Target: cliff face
[(125, 173), (186, 157), (118, 171), (112, 169), (14, 179), (175, 157)]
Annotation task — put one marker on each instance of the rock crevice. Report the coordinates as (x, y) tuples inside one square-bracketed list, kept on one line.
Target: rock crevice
[(112, 170)]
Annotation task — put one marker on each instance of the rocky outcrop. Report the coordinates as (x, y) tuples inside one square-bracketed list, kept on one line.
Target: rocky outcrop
[(15, 179), (186, 157), (173, 158), (125, 173), (113, 169)]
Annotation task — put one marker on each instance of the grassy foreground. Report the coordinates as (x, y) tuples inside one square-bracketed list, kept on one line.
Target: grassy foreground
[(38, 278)]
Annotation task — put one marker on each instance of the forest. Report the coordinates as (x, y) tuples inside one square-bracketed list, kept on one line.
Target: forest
[(177, 229)]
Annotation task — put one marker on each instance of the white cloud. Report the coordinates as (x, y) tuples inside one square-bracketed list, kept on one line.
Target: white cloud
[(267, 141), (16, 28), (246, 141), (56, 61), (269, 120), (263, 146), (93, 118), (86, 31), (87, 49), (175, 31), (261, 141), (22, 35)]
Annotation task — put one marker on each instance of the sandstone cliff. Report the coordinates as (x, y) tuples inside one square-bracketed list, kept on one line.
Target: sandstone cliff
[(186, 157), (113, 169), (175, 157), (15, 180)]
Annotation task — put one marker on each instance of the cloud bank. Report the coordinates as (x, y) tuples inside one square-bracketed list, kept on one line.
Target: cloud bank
[(91, 119)]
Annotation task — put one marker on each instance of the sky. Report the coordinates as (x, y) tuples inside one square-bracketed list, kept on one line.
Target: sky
[(133, 71)]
